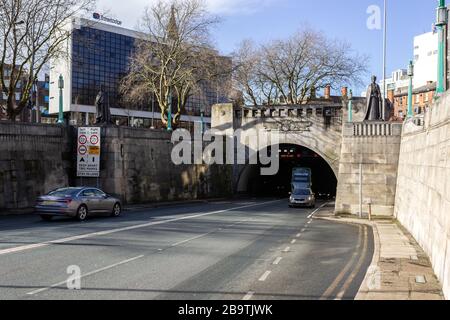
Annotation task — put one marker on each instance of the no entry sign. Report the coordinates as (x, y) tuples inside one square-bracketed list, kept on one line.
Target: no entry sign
[(88, 152)]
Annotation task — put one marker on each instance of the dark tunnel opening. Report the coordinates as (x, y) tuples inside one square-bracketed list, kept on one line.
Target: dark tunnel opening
[(324, 182)]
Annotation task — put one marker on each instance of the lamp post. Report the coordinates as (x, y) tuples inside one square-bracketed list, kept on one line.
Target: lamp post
[(383, 105), (169, 111), (410, 89), (61, 87), (202, 120), (350, 106), (441, 23), (153, 112)]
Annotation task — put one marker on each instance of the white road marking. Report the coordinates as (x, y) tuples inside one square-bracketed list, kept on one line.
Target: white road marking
[(277, 261), (207, 234), (85, 275), (298, 235), (265, 276), (303, 230), (293, 241), (192, 239), (287, 249), (309, 222), (248, 296), (112, 231), (317, 210)]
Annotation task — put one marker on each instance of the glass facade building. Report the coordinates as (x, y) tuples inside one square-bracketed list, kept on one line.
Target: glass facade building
[(99, 57)]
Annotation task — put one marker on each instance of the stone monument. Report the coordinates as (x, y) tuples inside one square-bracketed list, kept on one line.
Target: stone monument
[(103, 112)]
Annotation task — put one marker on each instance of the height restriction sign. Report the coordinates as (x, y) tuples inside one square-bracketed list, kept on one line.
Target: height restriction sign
[(88, 152)]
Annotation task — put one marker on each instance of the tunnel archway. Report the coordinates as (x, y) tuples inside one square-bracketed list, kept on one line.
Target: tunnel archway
[(324, 180)]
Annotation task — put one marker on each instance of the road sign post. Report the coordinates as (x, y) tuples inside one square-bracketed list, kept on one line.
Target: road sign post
[(88, 152)]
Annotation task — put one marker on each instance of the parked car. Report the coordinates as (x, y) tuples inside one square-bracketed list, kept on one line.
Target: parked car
[(77, 203), (302, 198)]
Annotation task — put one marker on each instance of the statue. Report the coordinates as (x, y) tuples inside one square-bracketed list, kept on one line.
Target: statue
[(103, 114), (374, 110)]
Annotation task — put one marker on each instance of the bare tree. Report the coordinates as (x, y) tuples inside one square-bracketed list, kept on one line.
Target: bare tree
[(291, 69), (175, 59), (31, 33)]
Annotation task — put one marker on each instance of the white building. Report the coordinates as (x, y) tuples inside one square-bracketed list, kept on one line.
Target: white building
[(399, 79), (425, 59)]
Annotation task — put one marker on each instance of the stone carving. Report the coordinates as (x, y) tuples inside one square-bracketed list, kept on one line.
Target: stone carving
[(103, 113), (289, 126)]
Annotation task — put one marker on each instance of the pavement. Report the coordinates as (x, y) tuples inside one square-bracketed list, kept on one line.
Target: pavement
[(224, 250), (400, 269)]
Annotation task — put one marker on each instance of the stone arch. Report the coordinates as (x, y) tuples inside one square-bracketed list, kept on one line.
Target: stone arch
[(245, 172)]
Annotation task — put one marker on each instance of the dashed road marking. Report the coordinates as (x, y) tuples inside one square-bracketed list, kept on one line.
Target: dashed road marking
[(265, 276), (298, 235), (287, 249), (293, 241), (277, 261)]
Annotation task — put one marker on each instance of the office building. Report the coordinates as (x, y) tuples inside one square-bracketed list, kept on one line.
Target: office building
[(98, 55)]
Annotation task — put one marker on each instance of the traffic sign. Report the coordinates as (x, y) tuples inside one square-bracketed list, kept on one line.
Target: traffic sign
[(89, 152)]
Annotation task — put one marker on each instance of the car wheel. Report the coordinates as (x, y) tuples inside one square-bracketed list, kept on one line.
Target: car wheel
[(82, 213), (117, 210), (46, 217)]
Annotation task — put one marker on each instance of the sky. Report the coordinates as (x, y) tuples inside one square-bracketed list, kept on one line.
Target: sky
[(263, 20)]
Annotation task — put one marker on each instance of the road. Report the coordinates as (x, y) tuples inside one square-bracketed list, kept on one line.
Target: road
[(237, 250)]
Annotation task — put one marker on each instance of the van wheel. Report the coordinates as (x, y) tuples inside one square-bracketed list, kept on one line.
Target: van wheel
[(82, 213)]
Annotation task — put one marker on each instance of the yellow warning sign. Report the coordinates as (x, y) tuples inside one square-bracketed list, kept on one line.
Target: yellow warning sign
[(94, 151)]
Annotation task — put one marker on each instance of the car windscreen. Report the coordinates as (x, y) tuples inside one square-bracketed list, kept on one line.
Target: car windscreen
[(302, 192), (68, 192)]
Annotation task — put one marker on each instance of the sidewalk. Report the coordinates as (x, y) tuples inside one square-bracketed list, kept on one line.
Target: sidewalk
[(400, 269)]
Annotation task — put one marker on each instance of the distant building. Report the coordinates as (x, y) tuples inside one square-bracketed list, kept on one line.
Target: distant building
[(425, 59), (422, 99), (399, 79), (99, 54)]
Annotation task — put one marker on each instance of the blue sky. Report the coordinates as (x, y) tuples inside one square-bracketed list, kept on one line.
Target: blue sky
[(339, 19), (263, 20)]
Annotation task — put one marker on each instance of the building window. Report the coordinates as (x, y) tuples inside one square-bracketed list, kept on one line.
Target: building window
[(417, 98), (17, 96), (427, 97)]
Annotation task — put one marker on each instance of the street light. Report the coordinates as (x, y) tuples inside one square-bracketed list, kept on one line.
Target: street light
[(441, 22), (350, 106), (202, 115), (169, 111), (61, 87), (410, 89), (384, 59), (153, 112)]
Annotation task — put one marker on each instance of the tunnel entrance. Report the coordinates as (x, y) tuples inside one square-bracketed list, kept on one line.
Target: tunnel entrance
[(291, 156)]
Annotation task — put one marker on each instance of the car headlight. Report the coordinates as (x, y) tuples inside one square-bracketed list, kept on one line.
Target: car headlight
[(291, 198), (310, 198)]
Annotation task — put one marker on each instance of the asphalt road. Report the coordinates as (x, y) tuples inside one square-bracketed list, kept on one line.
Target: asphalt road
[(255, 249)]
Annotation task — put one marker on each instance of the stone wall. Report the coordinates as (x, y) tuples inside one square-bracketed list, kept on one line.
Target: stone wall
[(376, 147), (34, 159), (423, 188), (136, 165)]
